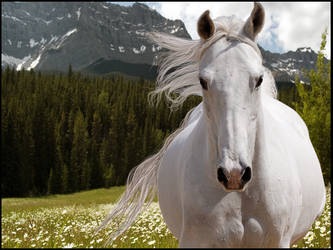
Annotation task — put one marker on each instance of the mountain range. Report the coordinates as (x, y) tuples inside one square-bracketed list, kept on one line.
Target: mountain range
[(102, 37)]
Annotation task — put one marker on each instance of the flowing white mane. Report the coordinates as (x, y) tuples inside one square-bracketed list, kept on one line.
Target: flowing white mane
[(179, 66)]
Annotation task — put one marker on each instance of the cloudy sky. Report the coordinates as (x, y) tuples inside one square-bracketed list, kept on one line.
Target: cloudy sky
[(288, 25)]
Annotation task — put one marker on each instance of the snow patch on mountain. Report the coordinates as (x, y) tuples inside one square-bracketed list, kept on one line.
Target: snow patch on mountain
[(136, 51), (14, 18), (141, 33), (78, 13), (6, 59), (60, 42), (305, 49), (70, 32), (174, 29), (13, 61), (53, 38), (47, 22), (33, 43), (35, 62), (26, 12), (43, 41), (19, 66), (143, 48)]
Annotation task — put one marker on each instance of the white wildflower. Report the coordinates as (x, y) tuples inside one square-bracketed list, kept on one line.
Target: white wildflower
[(71, 245), (151, 242)]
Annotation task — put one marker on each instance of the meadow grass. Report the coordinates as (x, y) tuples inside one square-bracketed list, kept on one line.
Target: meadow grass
[(67, 221), (96, 196)]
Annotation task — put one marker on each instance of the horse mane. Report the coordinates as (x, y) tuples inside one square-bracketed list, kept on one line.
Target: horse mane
[(179, 65)]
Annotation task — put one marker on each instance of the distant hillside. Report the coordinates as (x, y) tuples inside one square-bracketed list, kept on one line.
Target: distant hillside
[(103, 66)]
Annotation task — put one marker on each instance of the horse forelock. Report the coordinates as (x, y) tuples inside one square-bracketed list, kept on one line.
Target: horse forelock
[(232, 29)]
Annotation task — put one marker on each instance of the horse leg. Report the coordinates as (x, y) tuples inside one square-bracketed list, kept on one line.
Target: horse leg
[(194, 238), (186, 242), (284, 244), (298, 238)]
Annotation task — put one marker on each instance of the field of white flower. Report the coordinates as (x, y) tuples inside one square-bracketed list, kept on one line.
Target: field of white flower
[(74, 226)]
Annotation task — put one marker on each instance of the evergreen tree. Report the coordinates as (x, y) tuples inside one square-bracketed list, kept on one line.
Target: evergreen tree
[(314, 107), (130, 143), (79, 161), (65, 180), (50, 183), (96, 140), (106, 161), (65, 133)]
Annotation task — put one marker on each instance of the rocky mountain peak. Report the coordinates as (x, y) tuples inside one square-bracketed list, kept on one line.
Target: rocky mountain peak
[(305, 50), (51, 35), (286, 65), (104, 37)]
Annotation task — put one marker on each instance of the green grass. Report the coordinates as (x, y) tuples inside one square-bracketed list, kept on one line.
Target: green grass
[(70, 220), (85, 198)]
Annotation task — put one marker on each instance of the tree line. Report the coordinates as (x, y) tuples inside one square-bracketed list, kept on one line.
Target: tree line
[(62, 133)]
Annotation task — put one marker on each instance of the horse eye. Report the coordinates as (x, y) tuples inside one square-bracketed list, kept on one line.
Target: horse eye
[(203, 83), (259, 82)]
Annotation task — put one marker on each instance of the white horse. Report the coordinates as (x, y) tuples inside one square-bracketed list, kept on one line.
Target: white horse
[(241, 170)]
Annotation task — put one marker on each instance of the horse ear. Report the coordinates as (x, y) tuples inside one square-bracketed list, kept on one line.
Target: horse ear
[(206, 26), (255, 22)]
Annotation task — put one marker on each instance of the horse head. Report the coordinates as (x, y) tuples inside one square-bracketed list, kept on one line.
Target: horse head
[(230, 74)]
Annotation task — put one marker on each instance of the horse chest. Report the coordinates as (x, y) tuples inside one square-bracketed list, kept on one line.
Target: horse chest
[(223, 227), (232, 220), (234, 228), (253, 233)]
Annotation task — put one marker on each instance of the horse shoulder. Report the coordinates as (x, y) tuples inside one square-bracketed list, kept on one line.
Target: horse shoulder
[(303, 176), (283, 114), (171, 172)]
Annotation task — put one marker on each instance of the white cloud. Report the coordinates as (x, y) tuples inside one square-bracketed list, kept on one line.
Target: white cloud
[(288, 25)]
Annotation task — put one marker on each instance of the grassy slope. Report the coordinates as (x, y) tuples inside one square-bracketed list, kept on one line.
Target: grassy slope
[(71, 220), (83, 212), (84, 198)]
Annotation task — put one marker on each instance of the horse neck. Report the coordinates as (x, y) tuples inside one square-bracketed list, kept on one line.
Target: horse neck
[(260, 157)]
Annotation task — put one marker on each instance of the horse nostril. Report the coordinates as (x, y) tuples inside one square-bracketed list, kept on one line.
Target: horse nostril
[(221, 176), (247, 175)]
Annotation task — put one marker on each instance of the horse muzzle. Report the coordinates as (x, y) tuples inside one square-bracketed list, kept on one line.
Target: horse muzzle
[(234, 179)]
